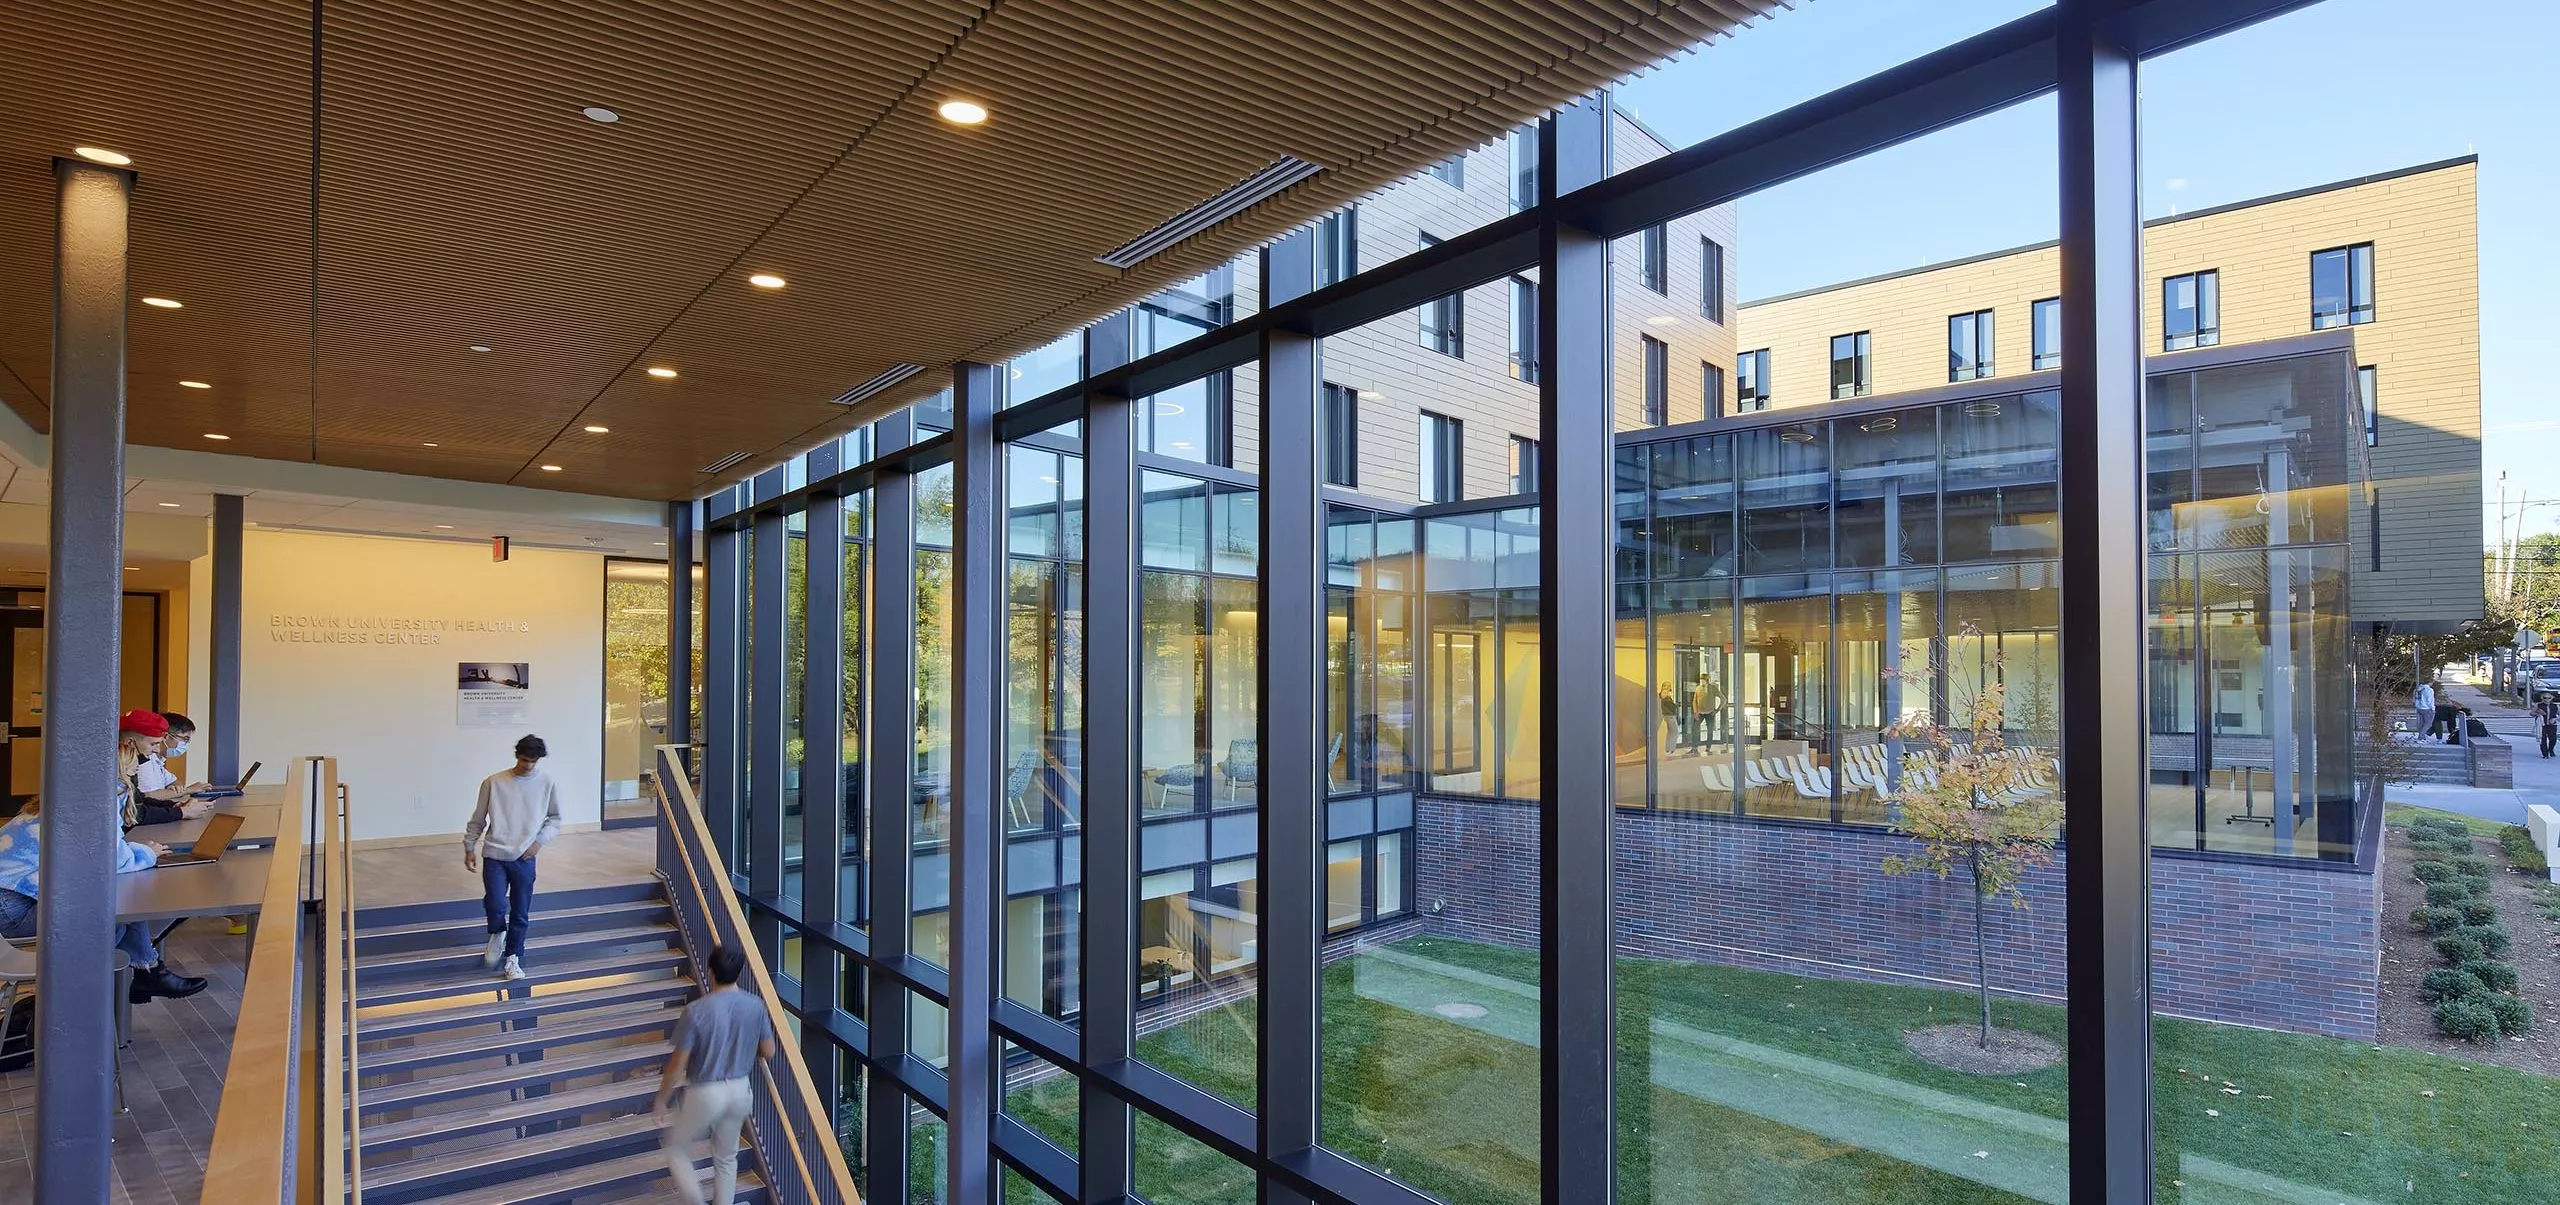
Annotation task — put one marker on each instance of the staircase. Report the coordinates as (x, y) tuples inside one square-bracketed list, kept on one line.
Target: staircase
[(476, 1091)]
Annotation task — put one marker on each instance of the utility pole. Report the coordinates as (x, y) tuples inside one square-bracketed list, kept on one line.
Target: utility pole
[(2498, 545)]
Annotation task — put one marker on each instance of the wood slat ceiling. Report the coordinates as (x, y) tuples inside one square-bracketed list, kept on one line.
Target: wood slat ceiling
[(460, 197)]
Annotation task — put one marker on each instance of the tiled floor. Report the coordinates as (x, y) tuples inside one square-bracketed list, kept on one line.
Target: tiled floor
[(173, 1070), (172, 1081)]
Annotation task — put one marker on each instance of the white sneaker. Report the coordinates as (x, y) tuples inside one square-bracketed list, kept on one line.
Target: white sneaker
[(512, 971), (496, 949)]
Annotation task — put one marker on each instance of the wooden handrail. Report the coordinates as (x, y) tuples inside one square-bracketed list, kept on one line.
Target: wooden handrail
[(677, 805), (247, 1164)]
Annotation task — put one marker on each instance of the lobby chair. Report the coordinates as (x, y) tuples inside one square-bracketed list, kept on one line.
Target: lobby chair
[(1243, 766)]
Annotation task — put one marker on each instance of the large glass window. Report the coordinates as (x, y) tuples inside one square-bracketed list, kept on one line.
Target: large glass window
[(2046, 319), (1524, 329), (635, 655), (1710, 390), (1041, 801), (2369, 395), (2342, 286), (2191, 310), (1852, 375), (1751, 381), (1969, 345), (1657, 381), (1711, 280), (1444, 319), (1653, 258), (1341, 436), (1524, 167), (1338, 246), (1440, 440)]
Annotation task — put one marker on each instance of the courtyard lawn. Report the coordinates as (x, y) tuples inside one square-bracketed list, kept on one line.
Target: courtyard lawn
[(1753, 1086), (2400, 814)]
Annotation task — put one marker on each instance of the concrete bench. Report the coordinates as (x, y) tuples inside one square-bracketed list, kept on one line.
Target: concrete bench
[(2543, 821)]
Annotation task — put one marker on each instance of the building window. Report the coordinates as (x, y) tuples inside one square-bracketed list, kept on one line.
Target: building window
[(2342, 286), (1969, 343), (2191, 309), (1751, 381), (1444, 319), (1851, 374), (2366, 392), (1711, 280), (1524, 167), (1338, 247), (2047, 321), (1711, 395), (1524, 329), (1341, 436), (1524, 465), (1657, 381), (1440, 452), (1451, 171), (1653, 251)]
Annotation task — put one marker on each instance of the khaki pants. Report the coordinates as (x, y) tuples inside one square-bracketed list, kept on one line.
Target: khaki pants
[(716, 1110)]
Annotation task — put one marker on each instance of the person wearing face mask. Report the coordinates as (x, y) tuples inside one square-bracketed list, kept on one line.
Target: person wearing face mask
[(154, 779), (137, 756)]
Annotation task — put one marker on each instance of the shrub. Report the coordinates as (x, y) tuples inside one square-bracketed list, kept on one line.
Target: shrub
[(2432, 871), (2452, 840), (2479, 912), (2479, 885), (2442, 894), (2438, 920), (2457, 949), (2492, 939), (2518, 842), (2436, 824), (2447, 983), (2470, 865), (2514, 1015), (2468, 1018), (2492, 974)]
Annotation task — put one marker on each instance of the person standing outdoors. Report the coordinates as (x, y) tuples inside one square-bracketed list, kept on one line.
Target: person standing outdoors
[(2546, 714), (717, 1043), (2424, 702), (518, 814)]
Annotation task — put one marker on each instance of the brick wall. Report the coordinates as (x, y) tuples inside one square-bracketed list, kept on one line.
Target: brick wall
[(2279, 947)]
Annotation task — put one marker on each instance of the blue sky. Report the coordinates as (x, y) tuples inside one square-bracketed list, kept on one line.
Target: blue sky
[(2344, 88)]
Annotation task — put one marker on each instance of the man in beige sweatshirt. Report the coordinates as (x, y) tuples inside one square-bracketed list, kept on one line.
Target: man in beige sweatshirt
[(518, 814)]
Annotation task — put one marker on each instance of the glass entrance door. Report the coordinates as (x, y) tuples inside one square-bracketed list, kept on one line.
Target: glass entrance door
[(22, 741)]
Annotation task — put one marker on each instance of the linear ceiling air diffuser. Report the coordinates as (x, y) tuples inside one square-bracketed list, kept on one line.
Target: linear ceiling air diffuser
[(1247, 193), (876, 384)]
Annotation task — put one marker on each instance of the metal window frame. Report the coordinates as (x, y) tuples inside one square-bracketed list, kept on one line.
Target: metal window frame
[(2084, 49)]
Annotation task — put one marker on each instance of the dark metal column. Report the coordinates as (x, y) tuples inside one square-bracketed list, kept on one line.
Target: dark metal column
[(822, 805), (766, 703), (977, 770), (888, 759), (224, 656), (679, 622), (83, 606), (1576, 596), (2107, 872), (1109, 881), (724, 678), (1290, 715)]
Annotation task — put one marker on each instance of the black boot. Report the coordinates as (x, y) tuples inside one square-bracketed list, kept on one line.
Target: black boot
[(159, 981)]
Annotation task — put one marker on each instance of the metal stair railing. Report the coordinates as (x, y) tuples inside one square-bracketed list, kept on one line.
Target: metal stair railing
[(793, 1134)]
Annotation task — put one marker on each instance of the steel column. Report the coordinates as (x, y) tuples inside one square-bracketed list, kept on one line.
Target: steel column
[(680, 519), (766, 703), (1109, 883), (223, 718), (888, 761), (2107, 871), (977, 771), (822, 768), (1290, 716), (1577, 655), (724, 683), (83, 608)]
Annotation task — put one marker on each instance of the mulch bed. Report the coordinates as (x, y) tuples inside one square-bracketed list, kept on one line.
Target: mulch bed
[(1959, 1048), (2408, 953)]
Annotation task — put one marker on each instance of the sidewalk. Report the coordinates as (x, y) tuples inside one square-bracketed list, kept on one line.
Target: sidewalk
[(2537, 779)]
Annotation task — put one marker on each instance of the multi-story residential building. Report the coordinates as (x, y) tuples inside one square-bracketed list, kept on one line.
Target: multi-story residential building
[(2393, 258)]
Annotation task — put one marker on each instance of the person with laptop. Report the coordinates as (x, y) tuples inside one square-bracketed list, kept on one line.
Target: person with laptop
[(21, 852), (153, 777), (717, 1042), (518, 814), (138, 739)]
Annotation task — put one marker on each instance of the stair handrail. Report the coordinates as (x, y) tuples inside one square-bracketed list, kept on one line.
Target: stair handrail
[(788, 1120), (343, 1177)]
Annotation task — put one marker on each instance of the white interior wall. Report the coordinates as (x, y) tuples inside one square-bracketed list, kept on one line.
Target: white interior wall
[(326, 669)]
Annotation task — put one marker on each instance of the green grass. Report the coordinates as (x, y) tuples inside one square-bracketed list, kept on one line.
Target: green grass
[(1452, 1108), (2398, 815)]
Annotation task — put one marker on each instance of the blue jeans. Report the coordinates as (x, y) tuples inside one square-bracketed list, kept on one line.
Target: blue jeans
[(507, 894), (18, 919)]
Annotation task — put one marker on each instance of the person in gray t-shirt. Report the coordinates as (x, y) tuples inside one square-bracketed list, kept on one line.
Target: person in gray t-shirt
[(717, 1043)]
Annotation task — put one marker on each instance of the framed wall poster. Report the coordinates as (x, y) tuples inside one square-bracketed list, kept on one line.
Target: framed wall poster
[(493, 694)]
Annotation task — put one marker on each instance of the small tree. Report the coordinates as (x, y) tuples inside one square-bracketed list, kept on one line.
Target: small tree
[(1972, 803)]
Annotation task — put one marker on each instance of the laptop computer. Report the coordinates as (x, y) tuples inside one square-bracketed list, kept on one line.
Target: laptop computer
[(210, 843), (232, 791)]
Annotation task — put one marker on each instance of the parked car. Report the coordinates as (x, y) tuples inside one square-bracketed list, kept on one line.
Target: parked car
[(2542, 678)]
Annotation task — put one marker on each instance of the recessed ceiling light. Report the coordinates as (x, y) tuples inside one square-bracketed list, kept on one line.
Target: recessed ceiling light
[(430, 445), (601, 114), (963, 112), (164, 303), (599, 430), (551, 468), (479, 347), (767, 280), (133, 568), (663, 374), (102, 155), (170, 505), (657, 543), (195, 385), (215, 435), (444, 527)]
